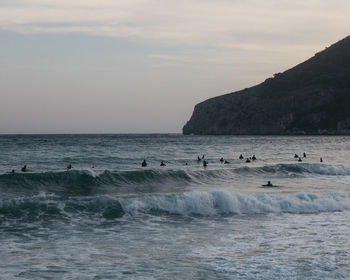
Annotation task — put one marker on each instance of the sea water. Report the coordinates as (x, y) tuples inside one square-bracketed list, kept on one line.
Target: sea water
[(110, 218)]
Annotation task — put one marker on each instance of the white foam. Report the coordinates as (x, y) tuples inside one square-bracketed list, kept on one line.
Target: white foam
[(324, 169), (224, 202)]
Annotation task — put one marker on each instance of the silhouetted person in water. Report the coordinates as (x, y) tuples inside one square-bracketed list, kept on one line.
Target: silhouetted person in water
[(205, 163), (202, 156), (304, 155), (69, 167), (162, 163), (186, 163), (321, 160), (253, 158), (24, 168), (13, 171), (222, 160), (226, 162), (198, 158), (296, 156), (299, 160), (241, 156), (269, 184), (248, 160), (144, 163)]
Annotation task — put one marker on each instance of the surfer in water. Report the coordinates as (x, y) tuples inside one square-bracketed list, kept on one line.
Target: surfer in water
[(162, 163), (24, 168), (269, 184), (222, 160), (300, 160), (198, 158), (248, 160), (226, 162), (241, 157), (69, 167), (144, 163), (321, 160), (205, 163), (253, 158), (296, 156), (304, 154)]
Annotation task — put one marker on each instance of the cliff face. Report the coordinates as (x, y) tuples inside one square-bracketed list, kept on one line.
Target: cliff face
[(311, 98)]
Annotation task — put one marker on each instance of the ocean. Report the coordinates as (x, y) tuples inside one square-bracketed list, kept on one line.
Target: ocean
[(110, 218)]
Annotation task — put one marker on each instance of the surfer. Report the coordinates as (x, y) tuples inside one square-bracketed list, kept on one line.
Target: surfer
[(162, 163), (222, 160), (69, 167), (269, 184), (241, 157), (253, 158), (144, 163), (205, 163), (321, 160), (226, 162), (202, 156), (13, 171), (299, 160), (296, 156), (198, 158), (304, 155), (24, 168), (248, 160)]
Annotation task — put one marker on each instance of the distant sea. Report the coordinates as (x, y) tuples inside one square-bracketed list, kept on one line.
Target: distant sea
[(110, 218)]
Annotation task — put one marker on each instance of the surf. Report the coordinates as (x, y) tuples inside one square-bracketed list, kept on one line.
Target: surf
[(195, 203), (78, 179)]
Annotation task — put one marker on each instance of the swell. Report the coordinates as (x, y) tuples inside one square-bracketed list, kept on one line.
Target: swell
[(311, 168), (198, 203), (85, 178)]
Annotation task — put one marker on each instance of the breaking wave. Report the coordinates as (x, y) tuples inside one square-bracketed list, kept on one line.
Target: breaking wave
[(224, 202), (312, 168), (198, 203)]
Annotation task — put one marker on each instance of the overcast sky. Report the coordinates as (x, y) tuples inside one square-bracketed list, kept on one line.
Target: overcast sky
[(138, 66)]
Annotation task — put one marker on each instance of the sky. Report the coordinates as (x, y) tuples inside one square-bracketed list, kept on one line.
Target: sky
[(140, 66)]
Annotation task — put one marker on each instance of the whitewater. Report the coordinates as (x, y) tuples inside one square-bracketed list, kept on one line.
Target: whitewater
[(110, 218)]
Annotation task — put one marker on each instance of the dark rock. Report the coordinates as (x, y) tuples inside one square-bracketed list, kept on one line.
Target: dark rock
[(311, 98)]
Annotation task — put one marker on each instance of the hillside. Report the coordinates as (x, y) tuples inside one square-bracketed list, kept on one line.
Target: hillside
[(311, 98)]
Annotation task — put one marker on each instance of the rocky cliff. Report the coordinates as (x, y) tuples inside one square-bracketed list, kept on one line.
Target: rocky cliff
[(311, 98)]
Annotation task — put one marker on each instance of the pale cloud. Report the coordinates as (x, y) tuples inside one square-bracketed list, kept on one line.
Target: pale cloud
[(241, 22), (171, 58), (88, 65)]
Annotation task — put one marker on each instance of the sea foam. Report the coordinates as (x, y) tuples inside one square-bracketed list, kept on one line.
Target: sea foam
[(199, 203), (224, 202)]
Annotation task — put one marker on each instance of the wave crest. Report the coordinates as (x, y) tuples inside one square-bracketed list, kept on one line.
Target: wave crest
[(224, 202), (198, 203), (84, 178), (312, 168)]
